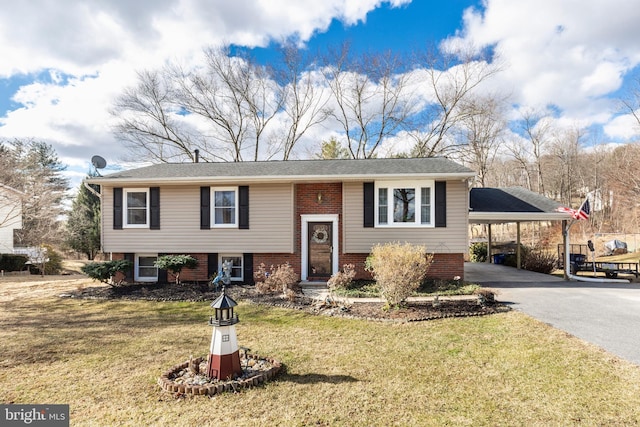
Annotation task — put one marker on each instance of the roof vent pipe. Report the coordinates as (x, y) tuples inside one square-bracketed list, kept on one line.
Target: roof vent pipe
[(197, 155)]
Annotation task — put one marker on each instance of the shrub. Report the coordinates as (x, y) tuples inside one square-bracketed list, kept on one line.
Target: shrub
[(478, 252), (106, 271), (399, 269), (281, 278), (11, 262), (175, 263), (342, 279), (54, 263), (47, 262), (540, 261)]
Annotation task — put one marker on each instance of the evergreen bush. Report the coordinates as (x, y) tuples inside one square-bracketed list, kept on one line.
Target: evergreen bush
[(11, 262), (478, 252), (175, 264), (105, 272)]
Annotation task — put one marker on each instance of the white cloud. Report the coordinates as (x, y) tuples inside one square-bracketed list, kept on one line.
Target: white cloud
[(572, 54), (623, 127), (92, 51), (566, 53)]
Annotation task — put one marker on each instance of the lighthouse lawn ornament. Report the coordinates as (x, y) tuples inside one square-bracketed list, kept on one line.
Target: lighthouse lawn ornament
[(224, 356)]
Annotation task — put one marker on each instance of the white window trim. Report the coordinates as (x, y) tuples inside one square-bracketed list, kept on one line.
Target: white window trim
[(136, 271), (213, 207), (125, 210), (233, 279), (416, 185)]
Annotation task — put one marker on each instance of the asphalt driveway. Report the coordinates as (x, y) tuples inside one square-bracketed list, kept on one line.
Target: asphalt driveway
[(604, 314)]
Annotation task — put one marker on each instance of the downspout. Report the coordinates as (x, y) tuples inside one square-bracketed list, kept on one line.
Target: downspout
[(567, 264)]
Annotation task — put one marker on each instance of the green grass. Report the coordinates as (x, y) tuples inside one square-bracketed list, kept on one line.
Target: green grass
[(103, 358)]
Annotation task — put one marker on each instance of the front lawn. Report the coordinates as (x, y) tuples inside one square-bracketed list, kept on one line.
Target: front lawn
[(103, 359)]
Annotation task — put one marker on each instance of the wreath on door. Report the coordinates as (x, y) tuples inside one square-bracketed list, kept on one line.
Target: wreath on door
[(320, 235)]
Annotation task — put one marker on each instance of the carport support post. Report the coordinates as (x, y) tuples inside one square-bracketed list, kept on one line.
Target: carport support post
[(489, 260), (518, 254)]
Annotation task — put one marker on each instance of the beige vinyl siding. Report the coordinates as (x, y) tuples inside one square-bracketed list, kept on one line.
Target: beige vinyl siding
[(270, 221), (450, 239)]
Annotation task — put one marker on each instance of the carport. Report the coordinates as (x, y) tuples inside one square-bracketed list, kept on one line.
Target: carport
[(511, 205)]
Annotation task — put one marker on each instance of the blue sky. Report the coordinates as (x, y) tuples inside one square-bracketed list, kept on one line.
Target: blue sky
[(62, 67)]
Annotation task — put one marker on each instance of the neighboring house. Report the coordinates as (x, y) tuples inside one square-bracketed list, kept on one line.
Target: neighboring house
[(317, 215), (10, 217)]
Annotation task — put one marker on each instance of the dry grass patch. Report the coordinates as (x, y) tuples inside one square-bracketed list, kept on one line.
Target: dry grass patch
[(103, 358)]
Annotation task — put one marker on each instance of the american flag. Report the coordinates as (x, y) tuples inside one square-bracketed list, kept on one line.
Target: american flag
[(582, 213)]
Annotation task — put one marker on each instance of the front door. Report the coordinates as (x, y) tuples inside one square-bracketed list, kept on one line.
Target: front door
[(320, 249)]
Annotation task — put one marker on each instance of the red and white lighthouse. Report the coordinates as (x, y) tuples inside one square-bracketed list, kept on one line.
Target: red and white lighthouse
[(224, 355)]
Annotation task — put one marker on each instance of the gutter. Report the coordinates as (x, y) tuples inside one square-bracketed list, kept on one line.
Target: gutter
[(277, 178)]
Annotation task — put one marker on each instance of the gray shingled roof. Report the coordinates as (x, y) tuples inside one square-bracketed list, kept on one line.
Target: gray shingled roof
[(510, 199), (511, 204), (291, 170)]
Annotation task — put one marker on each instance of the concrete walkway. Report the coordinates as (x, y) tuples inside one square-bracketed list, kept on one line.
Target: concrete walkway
[(604, 314)]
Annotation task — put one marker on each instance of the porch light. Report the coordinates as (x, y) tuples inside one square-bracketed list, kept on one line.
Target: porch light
[(319, 198)]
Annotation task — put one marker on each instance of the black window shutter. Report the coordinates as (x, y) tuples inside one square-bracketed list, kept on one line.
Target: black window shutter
[(243, 217), (247, 266), (205, 208), (117, 208), (441, 204), (369, 204), (131, 258), (154, 208), (162, 273), (212, 265)]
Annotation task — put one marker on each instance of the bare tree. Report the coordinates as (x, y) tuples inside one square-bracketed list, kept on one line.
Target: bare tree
[(520, 152), (235, 100), (304, 99), (447, 80), (33, 168), (562, 165), (10, 203), (630, 102), (229, 107), (148, 123), (483, 126), (623, 180), (371, 101), (536, 127)]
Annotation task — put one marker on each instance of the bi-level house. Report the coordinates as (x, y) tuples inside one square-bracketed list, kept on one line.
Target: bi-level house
[(317, 215)]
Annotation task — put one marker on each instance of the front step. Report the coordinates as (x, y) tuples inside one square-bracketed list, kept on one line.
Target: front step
[(313, 284)]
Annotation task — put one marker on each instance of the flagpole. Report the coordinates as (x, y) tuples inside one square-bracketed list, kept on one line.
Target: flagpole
[(567, 264)]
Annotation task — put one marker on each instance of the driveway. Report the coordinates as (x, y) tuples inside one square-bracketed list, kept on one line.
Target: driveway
[(604, 314)]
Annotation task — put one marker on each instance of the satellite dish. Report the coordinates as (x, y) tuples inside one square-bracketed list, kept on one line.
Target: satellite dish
[(98, 162)]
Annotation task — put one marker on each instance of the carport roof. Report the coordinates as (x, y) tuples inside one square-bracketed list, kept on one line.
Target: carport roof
[(511, 204)]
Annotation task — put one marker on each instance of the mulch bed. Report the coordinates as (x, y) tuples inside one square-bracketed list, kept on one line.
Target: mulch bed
[(412, 312)]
